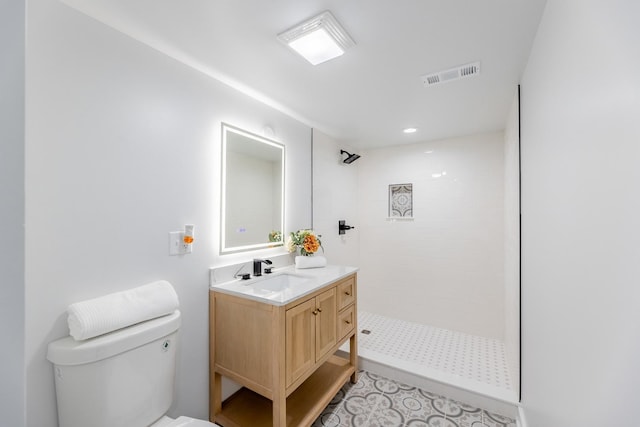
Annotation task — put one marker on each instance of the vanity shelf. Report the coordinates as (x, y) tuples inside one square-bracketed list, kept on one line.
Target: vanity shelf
[(282, 355), (303, 406)]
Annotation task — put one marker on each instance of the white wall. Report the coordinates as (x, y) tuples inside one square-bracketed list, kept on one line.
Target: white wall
[(445, 268), (122, 147), (512, 243), (335, 197), (12, 368), (581, 216)]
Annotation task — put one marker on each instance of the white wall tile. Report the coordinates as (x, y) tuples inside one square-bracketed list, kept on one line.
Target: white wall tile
[(335, 197), (446, 267)]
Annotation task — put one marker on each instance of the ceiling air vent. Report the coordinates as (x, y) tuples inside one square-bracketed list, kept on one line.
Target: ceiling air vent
[(467, 70)]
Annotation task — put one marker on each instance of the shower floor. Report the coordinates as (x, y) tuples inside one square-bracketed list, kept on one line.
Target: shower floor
[(464, 361)]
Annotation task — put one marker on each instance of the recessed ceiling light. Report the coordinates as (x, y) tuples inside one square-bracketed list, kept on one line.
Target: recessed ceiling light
[(318, 39), (410, 130)]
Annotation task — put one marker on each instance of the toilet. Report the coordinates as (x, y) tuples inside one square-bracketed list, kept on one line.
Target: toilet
[(121, 379)]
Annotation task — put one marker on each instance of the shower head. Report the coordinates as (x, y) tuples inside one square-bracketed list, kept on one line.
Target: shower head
[(351, 157)]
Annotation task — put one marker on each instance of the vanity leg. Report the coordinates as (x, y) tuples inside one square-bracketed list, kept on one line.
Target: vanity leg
[(215, 379), (353, 341), (279, 400), (280, 410), (216, 397), (353, 355)]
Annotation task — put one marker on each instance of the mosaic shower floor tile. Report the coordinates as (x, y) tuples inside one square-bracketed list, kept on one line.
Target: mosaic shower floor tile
[(468, 362)]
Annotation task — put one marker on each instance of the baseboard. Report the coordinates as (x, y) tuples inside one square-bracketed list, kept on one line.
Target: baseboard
[(521, 420)]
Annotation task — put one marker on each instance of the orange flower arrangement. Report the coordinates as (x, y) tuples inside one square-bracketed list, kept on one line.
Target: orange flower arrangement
[(306, 240), (311, 244)]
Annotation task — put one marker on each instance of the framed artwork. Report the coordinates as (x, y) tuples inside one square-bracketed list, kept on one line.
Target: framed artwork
[(401, 201)]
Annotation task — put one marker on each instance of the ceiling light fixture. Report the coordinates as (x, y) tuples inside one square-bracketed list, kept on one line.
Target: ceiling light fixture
[(410, 130), (318, 39)]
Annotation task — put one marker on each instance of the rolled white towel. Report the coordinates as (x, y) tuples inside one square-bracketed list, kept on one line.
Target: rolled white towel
[(310, 261), (90, 318)]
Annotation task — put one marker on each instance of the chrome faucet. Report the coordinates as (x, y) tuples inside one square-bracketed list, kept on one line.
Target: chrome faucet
[(257, 266)]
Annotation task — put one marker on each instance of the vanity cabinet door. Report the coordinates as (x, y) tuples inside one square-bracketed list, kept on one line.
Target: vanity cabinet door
[(311, 331), (300, 340), (326, 322)]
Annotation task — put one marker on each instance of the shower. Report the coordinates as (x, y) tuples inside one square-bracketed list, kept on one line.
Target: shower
[(351, 157)]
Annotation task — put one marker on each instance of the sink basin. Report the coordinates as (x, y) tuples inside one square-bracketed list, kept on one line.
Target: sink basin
[(276, 288), (279, 283)]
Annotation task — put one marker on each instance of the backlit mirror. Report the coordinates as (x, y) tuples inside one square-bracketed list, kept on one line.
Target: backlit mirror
[(252, 191)]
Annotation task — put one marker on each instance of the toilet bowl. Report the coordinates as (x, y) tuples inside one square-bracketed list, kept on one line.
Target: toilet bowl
[(181, 422), (125, 378)]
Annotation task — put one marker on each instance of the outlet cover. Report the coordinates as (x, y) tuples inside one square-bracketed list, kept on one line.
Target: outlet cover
[(176, 245)]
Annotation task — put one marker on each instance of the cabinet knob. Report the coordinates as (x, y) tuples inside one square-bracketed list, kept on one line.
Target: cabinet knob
[(347, 293), (348, 322), (319, 310), (315, 312)]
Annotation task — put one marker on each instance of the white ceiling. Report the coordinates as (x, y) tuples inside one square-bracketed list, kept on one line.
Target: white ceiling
[(367, 96)]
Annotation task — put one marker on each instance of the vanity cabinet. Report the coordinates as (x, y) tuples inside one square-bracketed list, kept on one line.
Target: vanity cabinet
[(282, 355)]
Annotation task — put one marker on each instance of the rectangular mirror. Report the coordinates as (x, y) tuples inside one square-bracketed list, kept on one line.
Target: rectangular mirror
[(252, 191)]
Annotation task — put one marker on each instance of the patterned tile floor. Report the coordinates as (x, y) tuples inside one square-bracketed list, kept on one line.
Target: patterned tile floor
[(376, 401)]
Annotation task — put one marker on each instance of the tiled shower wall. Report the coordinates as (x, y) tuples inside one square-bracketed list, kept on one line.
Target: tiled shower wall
[(445, 267)]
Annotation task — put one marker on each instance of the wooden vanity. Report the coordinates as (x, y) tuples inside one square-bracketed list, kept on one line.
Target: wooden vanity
[(282, 354)]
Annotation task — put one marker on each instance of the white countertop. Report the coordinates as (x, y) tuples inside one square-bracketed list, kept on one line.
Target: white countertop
[(303, 282)]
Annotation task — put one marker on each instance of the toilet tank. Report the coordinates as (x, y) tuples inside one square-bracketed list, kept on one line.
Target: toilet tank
[(121, 379)]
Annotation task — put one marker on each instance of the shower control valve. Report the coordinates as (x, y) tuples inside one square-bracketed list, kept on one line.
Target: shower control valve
[(343, 227)]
